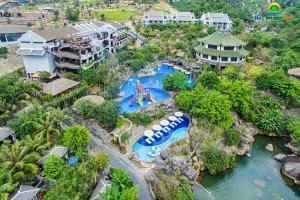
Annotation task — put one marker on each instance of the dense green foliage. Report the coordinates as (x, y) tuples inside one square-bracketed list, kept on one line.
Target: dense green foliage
[(170, 187), (215, 108), (241, 96), (47, 121), (96, 76), (138, 58), (208, 79), (280, 84), (270, 118), (53, 167), (293, 127), (175, 82), (17, 163), (77, 138), (99, 161), (216, 160), (235, 9), (3, 50), (122, 187), (139, 118), (108, 114), (175, 39), (15, 93), (85, 108), (232, 136)]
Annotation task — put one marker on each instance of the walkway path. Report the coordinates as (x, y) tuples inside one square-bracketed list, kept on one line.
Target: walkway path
[(118, 160)]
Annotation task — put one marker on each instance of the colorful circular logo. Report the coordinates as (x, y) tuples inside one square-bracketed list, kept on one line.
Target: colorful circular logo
[(274, 8)]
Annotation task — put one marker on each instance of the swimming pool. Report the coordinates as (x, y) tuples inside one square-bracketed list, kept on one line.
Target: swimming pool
[(147, 151), (152, 83)]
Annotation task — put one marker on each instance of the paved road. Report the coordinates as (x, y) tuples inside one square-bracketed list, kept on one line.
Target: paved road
[(118, 160)]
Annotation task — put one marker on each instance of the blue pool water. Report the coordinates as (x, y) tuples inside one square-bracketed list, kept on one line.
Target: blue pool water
[(141, 148), (153, 83)]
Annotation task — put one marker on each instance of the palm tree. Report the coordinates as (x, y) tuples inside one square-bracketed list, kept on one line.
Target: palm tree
[(59, 116), (15, 162), (121, 179), (46, 126), (36, 143)]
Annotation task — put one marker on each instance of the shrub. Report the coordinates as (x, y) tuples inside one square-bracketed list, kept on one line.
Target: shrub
[(139, 118), (215, 108), (53, 167), (241, 96), (108, 114), (3, 50), (216, 160), (99, 161), (72, 76), (175, 82), (232, 136), (271, 121), (208, 79), (125, 136), (112, 89), (85, 108), (185, 101), (77, 138), (231, 72)]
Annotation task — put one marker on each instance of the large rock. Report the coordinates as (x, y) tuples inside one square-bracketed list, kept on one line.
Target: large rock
[(269, 147), (291, 168), (280, 157)]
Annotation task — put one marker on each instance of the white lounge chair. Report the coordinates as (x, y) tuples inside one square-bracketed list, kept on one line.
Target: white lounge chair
[(173, 124), (166, 129)]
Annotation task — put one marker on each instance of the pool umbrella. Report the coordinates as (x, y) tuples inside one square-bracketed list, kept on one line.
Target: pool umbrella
[(172, 118), (164, 123), (178, 114), (157, 127), (148, 133), (187, 73), (184, 70)]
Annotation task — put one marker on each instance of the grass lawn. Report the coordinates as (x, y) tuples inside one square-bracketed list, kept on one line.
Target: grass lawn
[(116, 15)]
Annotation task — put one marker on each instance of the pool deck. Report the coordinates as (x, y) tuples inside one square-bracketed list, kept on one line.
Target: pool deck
[(140, 134)]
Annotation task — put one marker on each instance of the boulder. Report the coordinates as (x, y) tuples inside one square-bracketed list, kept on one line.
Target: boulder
[(269, 147), (291, 168), (243, 149), (164, 154), (280, 157)]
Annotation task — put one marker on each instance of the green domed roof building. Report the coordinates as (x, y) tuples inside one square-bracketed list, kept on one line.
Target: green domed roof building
[(221, 49)]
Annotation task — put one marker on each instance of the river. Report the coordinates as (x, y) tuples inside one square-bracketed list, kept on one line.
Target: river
[(255, 177)]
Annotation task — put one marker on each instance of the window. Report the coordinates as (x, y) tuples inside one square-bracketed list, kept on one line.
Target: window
[(234, 59), (212, 46), (214, 57), (37, 42), (27, 42), (205, 56), (240, 47), (228, 48), (224, 59)]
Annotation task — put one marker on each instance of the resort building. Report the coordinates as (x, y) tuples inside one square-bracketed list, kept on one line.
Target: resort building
[(59, 86), (11, 33), (6, 134), (160, 17), (219, 20), (59, 151), (220, 50), (26, 193), (71, 47)]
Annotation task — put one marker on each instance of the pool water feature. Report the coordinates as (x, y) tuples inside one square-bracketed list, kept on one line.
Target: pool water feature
[(152, 83), (241, 183), (147, 152)]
